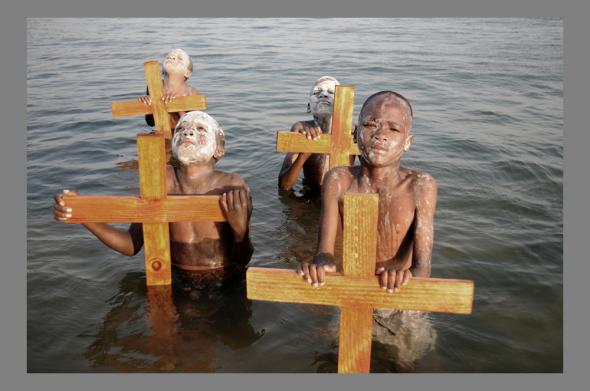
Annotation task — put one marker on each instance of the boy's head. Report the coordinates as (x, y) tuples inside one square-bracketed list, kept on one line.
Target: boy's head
[(321, 96), (178, 61), (384, 128), (197, 138)]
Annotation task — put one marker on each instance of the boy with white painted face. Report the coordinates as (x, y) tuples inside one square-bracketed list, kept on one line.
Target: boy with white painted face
[(405, 224), (177, 69), (203, 253), (315, 165)]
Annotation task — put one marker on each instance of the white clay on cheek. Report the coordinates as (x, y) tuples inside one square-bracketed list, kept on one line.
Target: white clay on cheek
[(318, 95), (203, 144), (176, 60)]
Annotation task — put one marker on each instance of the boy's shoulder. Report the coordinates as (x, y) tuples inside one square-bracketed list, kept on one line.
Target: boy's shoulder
[(229, 179), (419, 178), (424, 185), (192, 90), (339, 179)]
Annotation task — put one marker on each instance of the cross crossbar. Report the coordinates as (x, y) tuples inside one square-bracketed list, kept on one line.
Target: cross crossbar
[(356, 290)]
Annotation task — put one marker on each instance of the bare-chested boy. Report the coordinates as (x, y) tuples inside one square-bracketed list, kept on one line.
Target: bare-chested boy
[(407, 200), (203, 253), (315, 165), (177, 69)]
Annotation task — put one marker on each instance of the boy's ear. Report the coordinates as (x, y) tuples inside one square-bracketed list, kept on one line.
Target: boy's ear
[(187, 74), (408, 142), (219, 150)]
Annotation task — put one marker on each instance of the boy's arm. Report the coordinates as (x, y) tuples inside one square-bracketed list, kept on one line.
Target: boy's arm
[(125, 242), (293, 162), (424, 230), (149, 118), (237, 208), (324, 260)]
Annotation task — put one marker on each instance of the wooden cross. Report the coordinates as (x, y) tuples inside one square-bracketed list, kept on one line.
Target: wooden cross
[(158, 109), (154, 208), (339, 144), (356, 291)]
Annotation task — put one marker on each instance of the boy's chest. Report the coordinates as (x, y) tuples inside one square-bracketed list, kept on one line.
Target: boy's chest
[(396, 213)]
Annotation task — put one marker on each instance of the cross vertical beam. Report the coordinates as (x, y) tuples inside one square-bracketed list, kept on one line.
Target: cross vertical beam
[(360, 245), (152, 185), (356, 290)]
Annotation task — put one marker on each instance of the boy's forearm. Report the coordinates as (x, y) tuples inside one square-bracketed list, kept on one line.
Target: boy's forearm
[(289, 175), (421, 268), (242, 251), (112, 237)]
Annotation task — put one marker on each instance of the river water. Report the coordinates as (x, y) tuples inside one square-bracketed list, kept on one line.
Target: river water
[(488, 125)]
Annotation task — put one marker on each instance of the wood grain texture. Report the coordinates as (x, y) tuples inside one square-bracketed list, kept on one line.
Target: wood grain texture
[(187, 103), (121, 209), (156, 247), (360, 234), (151, 157), (342, 126), (156, 91), (421, 294), (297, 142), (152, 187), (354, 341), (131, 108)]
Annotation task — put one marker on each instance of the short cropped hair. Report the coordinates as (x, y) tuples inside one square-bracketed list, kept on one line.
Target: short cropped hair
[(387, 92)]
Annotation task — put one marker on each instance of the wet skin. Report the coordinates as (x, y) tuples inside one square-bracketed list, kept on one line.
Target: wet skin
[(407, 199), (315, 166), (204, 245)]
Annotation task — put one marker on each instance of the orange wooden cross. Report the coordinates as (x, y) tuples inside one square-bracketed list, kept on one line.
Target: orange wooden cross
[(158, 109), (339, 144), (154, 208), (356, 291)]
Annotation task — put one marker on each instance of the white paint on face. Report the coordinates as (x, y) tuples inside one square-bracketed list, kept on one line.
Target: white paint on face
[(321, 96), (177, 61), (384, 130), (194, 139)]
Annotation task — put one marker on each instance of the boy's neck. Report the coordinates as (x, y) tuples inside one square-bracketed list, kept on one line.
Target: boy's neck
[(175, 80), (324, 122), (379, 177), (195, 172)]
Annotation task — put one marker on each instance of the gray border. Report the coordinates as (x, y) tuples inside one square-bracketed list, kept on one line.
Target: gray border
[(13, 276)]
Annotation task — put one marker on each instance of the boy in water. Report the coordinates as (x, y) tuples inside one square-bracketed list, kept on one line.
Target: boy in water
[(407, 201), (203, 253), (315, 165), (177, 69)]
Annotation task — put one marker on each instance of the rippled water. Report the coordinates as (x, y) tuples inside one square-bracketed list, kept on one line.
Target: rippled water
[(488, 103)]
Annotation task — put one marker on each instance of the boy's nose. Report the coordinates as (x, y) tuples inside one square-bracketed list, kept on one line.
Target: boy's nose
[(380, 133), (188, 133)]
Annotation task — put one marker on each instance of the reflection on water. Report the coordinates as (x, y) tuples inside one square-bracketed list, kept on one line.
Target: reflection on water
[(158, 328), (497, 157)]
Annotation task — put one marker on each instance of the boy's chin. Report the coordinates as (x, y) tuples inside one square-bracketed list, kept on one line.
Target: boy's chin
[(188, 160)]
